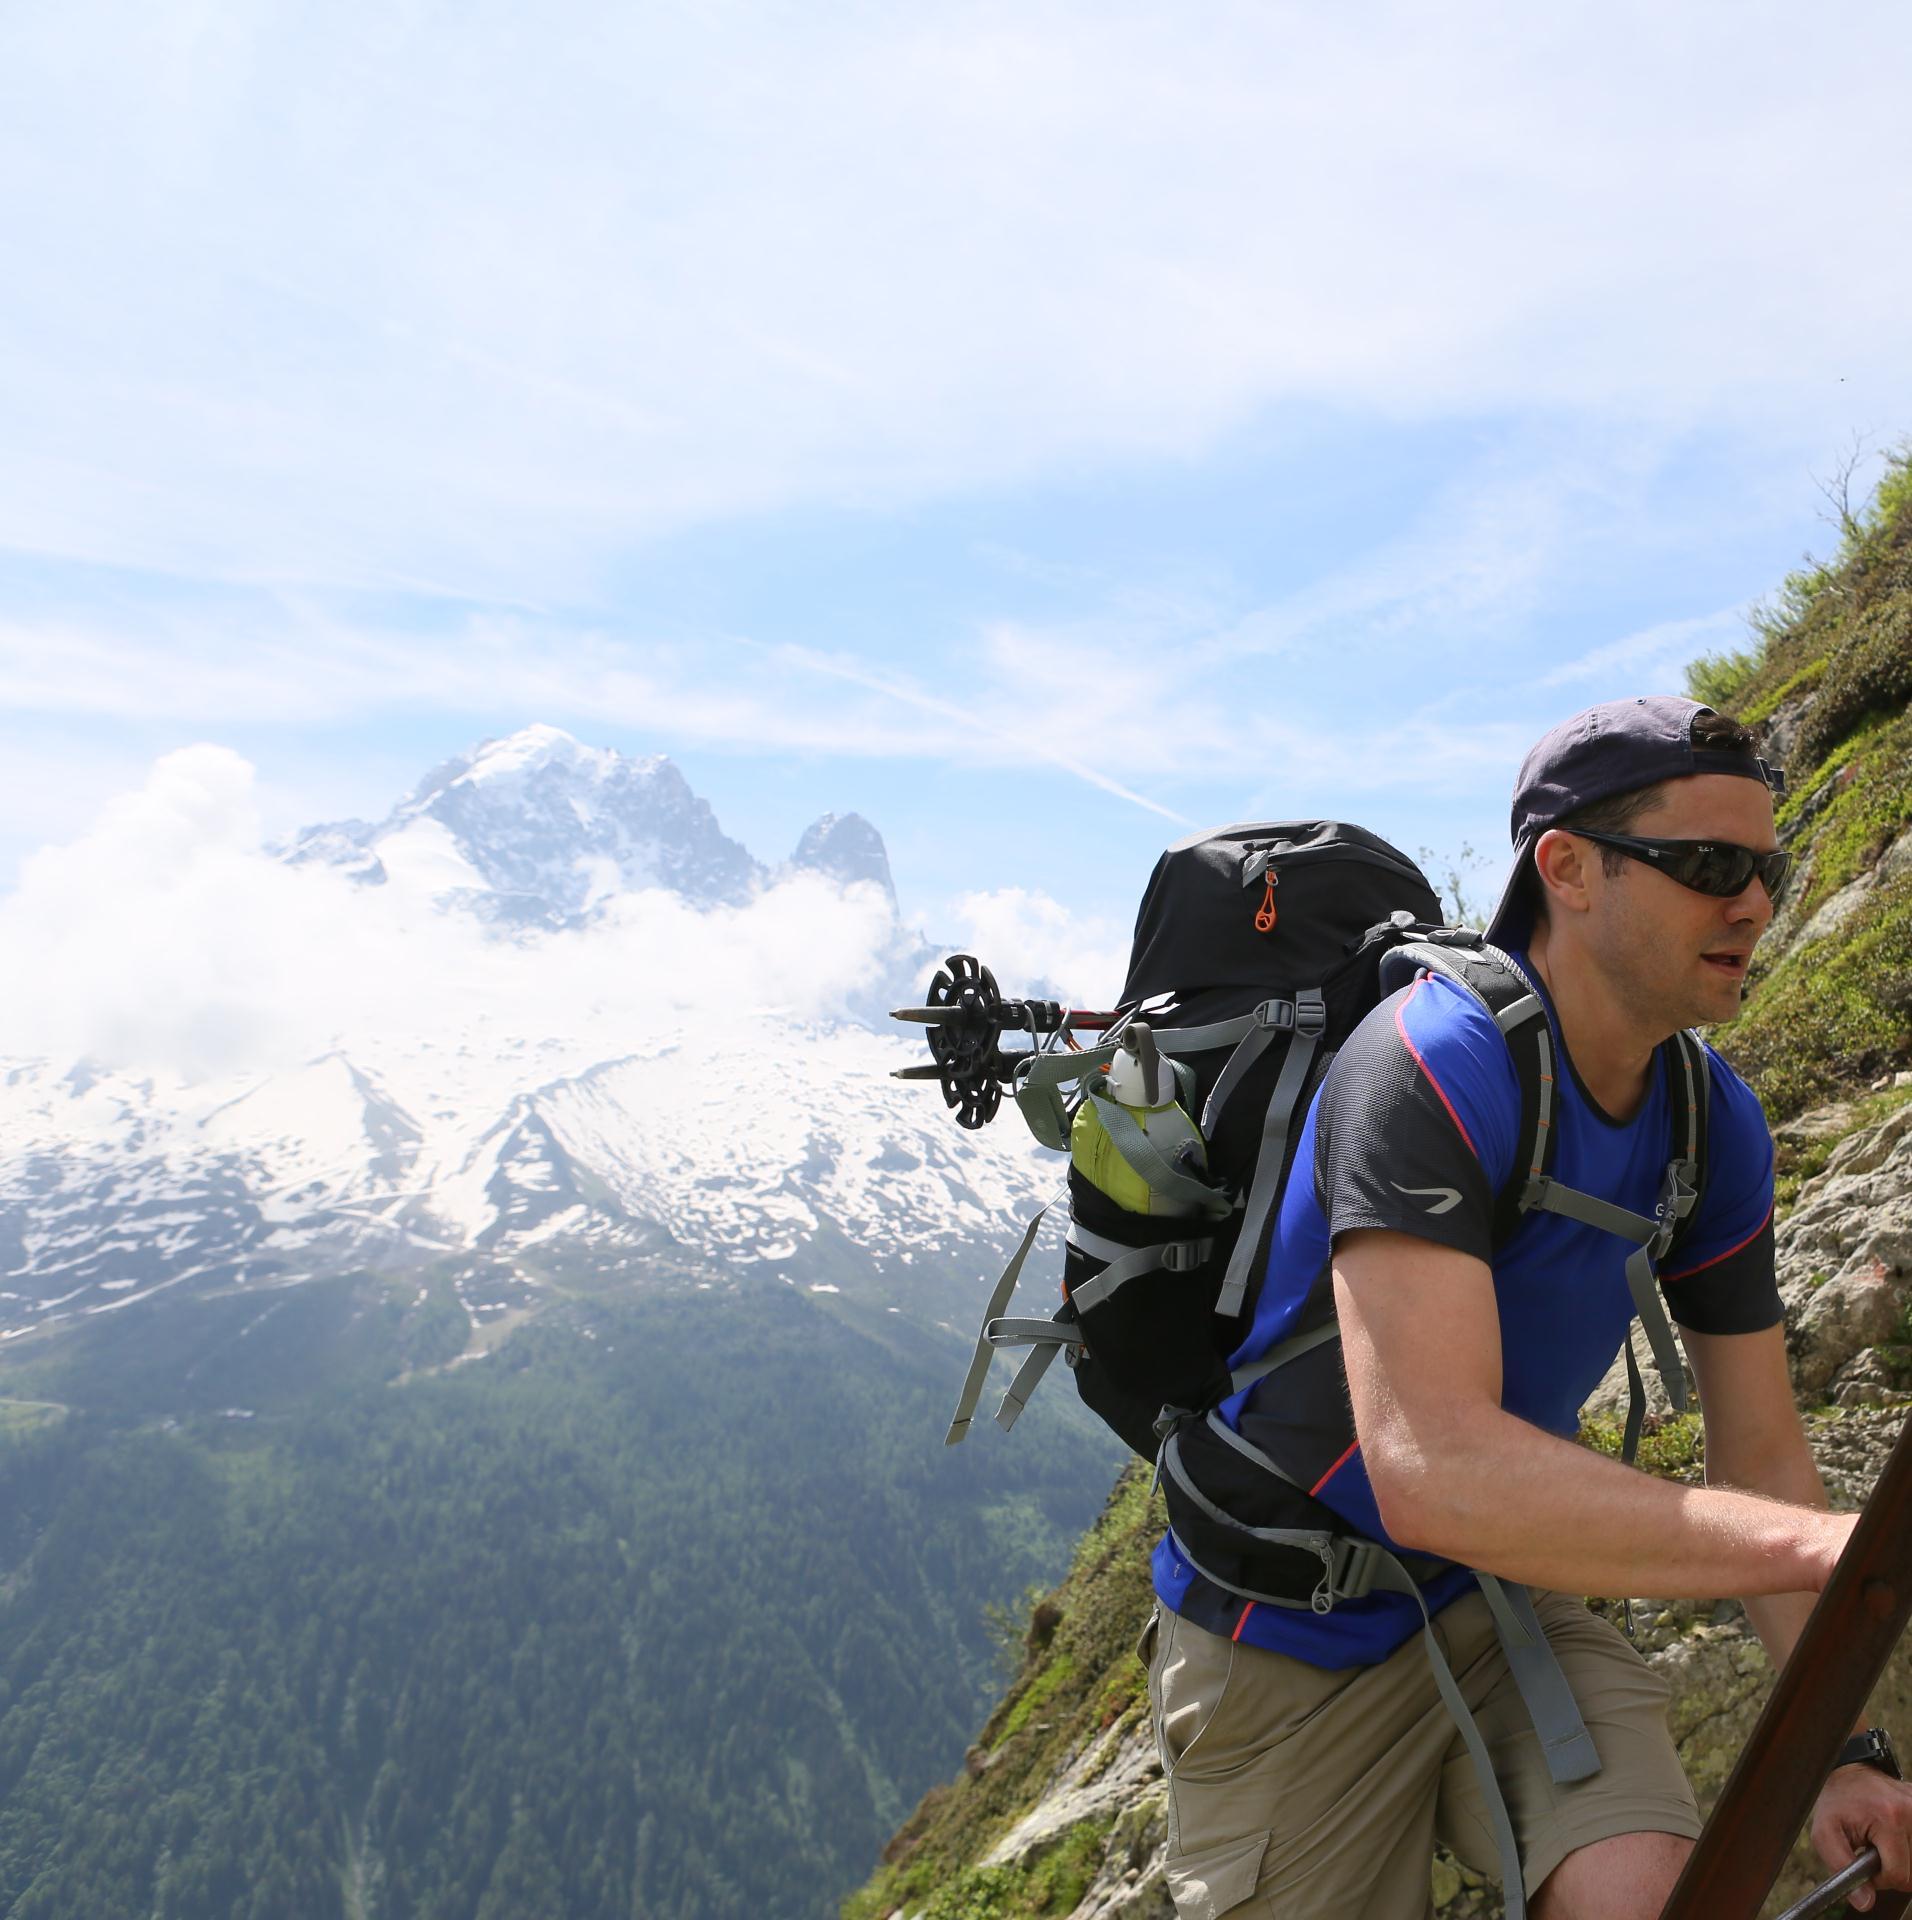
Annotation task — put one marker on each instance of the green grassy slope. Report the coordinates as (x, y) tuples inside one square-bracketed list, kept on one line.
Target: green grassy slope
[(1825, 1017), (1830, 1007), (1077, 1674)]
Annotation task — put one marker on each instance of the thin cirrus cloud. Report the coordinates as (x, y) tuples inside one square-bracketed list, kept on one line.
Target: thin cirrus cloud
[(1658, 652), (1168, 702), (468, 301)]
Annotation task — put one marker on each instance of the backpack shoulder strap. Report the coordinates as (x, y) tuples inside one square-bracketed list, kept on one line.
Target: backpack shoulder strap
[(1692, 1099), (1497, 981)]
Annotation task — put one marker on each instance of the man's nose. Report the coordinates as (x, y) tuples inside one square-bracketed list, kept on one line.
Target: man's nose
[(1753, 903)]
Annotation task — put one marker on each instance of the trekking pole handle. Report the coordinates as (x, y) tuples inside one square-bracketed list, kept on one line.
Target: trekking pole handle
[(1823, 1898)]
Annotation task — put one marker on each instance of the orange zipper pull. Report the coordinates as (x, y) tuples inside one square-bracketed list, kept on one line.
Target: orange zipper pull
[(1265, 919)]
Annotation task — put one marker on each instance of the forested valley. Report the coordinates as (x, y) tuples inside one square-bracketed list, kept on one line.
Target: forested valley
[(669, 1607)]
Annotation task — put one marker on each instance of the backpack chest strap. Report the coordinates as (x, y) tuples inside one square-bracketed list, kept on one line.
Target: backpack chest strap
[(1650, 1235)]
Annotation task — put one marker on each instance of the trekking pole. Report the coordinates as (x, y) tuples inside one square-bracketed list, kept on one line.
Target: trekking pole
[(966, 1019), (1848, 1638), (1829, 1893)]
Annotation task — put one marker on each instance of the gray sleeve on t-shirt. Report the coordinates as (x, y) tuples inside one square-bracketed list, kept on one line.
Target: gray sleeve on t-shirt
[(1390, 1148)]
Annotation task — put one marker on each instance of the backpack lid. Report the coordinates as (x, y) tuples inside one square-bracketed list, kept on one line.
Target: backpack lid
[(1197, 927)]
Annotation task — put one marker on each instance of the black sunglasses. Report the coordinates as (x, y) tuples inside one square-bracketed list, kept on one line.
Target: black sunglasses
[(1717, 867)]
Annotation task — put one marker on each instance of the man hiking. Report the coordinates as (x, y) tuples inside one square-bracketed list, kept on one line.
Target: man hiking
[(1311, 1760)]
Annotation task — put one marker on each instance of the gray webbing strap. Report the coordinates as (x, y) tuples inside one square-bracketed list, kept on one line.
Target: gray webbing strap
[(1185, 1193), (1543, 1109), (1176, 1255), (1055, 1068), (1248, 1050), (1058, 1066), (1046, 1114), (1549, 1196), (1564, 1739), (1320, 1543), (1636, 1404), (1644, 1286), (1264, 1023), (1310, 1017), (1391, 1575), (1098, 1246), (1646, 1234), (972, 1393), (1027, 1333), (1374, 1569), (1279, 1356), (1518, 1012), (1029, 1376), (1692, 1064), (1247, 1449), (1511, 1626), (1217, 1033)]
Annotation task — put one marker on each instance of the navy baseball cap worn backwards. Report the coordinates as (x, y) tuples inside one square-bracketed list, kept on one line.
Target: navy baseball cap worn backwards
[(1614, 748)]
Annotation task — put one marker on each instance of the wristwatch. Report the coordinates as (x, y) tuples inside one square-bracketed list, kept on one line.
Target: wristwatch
[(1873, 1748)]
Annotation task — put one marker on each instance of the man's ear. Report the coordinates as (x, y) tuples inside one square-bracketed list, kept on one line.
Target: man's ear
[(1562, 861)]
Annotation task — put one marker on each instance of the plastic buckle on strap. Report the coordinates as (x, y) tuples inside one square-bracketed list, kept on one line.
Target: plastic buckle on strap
[(1274, 1016), (1172, 1420), (1324, 1596), (1311, 1017), (1355, 1577), (1184, 1256), (1674, 1204)]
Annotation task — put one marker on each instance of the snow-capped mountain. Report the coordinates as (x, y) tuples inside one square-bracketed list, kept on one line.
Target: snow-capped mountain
[(536, 829), (520, 1157)]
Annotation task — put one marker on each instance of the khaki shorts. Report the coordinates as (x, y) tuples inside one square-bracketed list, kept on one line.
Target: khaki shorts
[(1299, 1794)]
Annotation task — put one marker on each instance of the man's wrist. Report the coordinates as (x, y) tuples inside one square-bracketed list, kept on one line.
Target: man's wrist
[(1870, 1748)]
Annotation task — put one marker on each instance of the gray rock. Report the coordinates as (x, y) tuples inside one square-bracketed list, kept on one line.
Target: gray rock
[(1830, 1122), (1866, 1380), (1101, 1782), (1836, 909), (1608, 1401), (1845, 1316)]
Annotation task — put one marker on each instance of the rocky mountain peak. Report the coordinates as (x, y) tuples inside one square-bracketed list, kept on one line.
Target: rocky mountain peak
[(538, 829), (846, 848)]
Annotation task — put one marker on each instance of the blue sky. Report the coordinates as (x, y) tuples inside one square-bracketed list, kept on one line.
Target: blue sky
[(1041, 428)]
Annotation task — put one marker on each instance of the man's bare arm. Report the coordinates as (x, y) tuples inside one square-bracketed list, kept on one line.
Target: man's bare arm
[(1457, 1476), (1754, 1442)]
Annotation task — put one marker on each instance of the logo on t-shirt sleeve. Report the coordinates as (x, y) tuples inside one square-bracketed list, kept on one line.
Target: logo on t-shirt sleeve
[(1446, 1199)]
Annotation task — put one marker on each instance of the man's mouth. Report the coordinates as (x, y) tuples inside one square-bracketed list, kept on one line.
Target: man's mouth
[(1728, 963)]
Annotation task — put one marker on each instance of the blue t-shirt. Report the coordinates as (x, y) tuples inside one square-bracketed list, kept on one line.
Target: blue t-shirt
[(1416, 1129)]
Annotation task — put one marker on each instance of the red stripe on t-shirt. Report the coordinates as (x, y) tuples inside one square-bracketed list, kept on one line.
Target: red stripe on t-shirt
[(1401, 1027), (1686, 1272), (1353, 1448), (1243, 1621)]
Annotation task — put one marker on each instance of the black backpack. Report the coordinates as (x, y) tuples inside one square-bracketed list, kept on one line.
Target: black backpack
[(1258, 949)]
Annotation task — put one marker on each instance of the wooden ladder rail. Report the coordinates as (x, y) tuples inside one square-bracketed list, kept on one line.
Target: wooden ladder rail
[(1847, 1641)]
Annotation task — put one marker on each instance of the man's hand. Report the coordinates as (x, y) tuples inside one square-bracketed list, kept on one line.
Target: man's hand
[(1861, 1807)]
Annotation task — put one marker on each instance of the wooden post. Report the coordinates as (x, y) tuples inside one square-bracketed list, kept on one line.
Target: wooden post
[(1848, 1639)]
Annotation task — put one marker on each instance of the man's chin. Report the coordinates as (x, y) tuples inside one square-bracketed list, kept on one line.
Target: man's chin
[(1721, 1003)]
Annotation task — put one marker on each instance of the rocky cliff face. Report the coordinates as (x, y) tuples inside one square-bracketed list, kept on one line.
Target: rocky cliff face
[(1061, 1808)]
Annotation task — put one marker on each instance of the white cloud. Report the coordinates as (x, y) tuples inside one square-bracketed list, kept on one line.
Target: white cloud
[(1035, 946), (1656, 656), (166, 940), (469, 301)]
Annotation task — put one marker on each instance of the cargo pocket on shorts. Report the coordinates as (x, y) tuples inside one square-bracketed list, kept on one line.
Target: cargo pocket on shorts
[(1206, 1885)]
